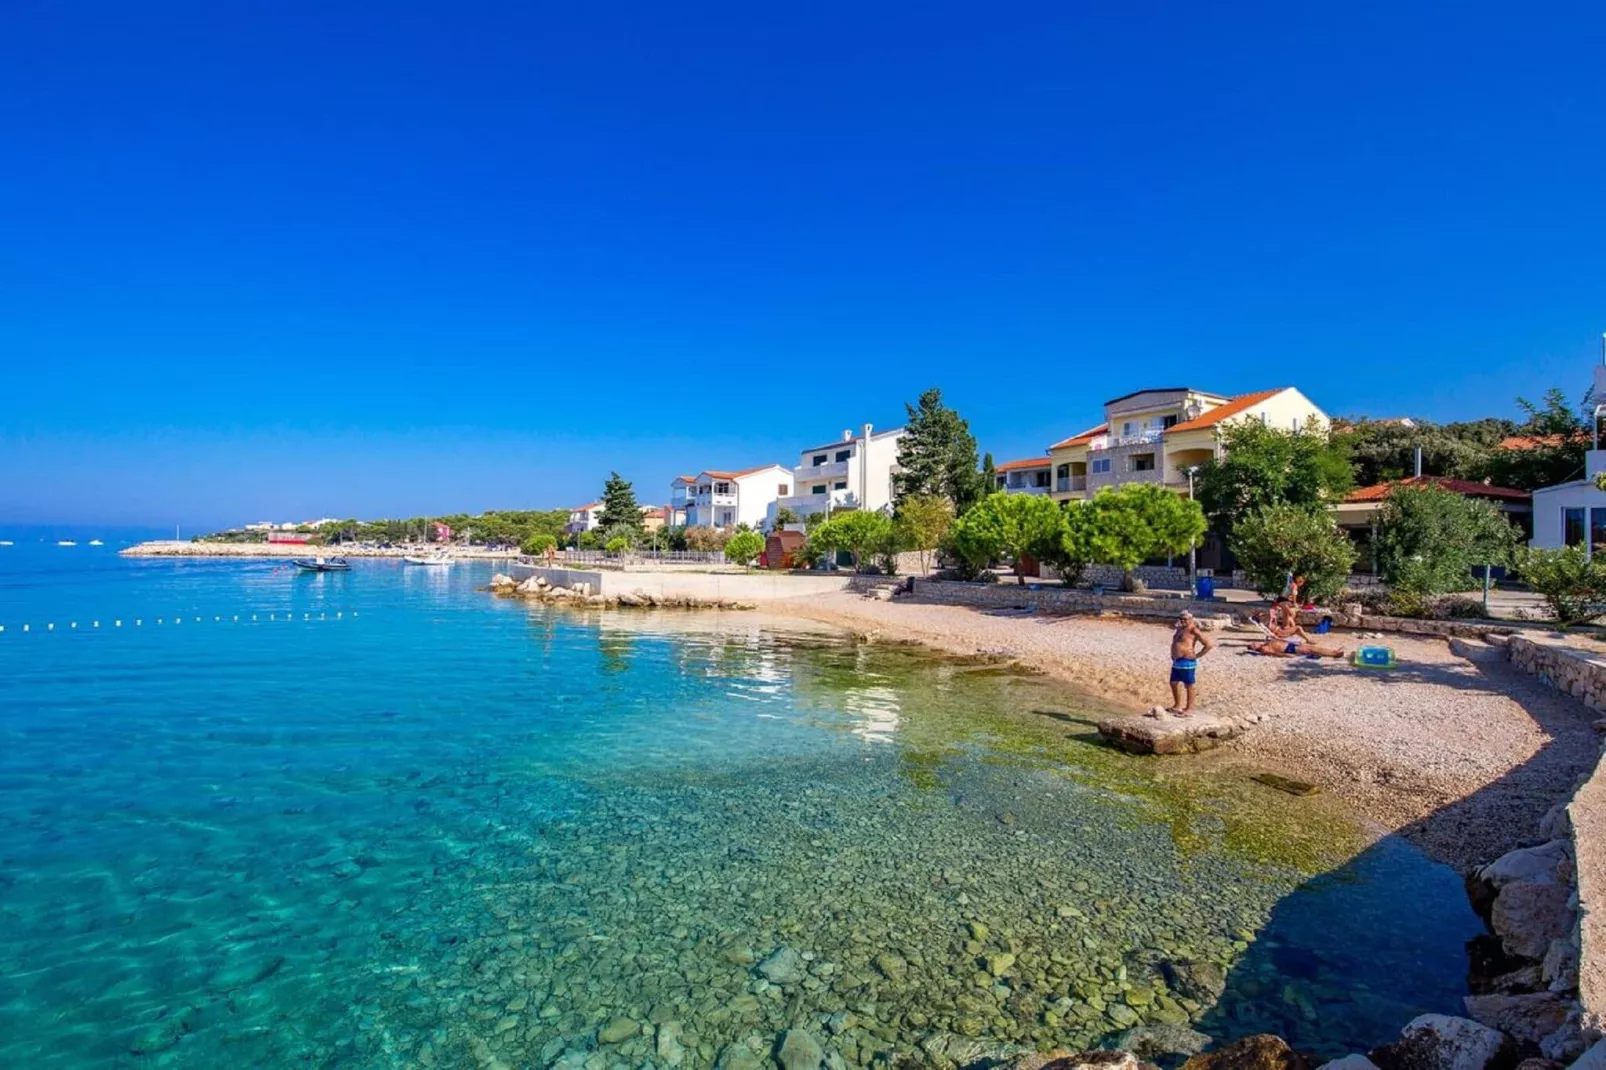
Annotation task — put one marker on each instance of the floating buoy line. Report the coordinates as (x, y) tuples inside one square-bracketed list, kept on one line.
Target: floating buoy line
[(274, 617)]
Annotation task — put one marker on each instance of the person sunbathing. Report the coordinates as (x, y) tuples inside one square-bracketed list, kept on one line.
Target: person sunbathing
[(1286, 639)]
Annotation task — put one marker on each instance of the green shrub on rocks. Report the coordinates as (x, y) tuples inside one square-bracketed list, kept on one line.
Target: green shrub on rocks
[(744, 547), (1572, 583)]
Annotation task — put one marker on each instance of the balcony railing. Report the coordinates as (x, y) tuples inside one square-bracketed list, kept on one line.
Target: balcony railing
[(1070, 484), (1137, 438), (820, 471)]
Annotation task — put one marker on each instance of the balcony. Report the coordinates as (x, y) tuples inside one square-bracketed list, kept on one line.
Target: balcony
[(1070, 484), (1137, 438), (803, 504), (832, 470)]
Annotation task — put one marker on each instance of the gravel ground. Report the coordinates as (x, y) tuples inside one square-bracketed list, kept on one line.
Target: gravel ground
[(1460, 756)]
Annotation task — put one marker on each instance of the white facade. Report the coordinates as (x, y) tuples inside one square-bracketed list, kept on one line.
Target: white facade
[(1033, 476), (723, 499), (585, 518), (854, 472), (1572, 514)]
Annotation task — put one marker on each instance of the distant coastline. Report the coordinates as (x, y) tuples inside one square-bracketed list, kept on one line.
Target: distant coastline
[(176, 548)]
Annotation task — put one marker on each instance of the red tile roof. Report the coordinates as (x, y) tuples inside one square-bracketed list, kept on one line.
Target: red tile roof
[(1223, 412), (1030, 462), (1464, 487), (743, 472), (586, 508), (1082, 439)]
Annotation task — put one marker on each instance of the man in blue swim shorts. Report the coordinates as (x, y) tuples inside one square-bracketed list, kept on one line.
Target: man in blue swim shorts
[(1188, 645)]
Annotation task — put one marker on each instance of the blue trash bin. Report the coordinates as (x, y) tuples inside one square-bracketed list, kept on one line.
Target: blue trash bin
[(1205, 587)]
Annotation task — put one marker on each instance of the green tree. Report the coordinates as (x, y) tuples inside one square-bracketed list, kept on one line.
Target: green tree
[(617, 544), (1126, 526), (1076, 548), (922, 522), (1431, 539), (706, 540), (1560, 436), (814, 520), (536, 545), (744, 547), (937, 455), (619, 506), (785, 515), (989, 474), (1380, 451), (1269, 466), (1571, 582), (1014, 526), (862, 533), (1276, 540)]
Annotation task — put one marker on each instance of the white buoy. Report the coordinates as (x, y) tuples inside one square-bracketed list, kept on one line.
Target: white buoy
[(158, 620), (50, 627), (25, 627), (74, 624), (96, 624), (117, 624)]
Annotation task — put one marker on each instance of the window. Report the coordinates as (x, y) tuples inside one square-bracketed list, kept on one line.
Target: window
[(1597, 530), (840, 484), (782, 490), (1126, 428), (722, 488), (1572, 527), (817, 459), (843, 455), (1100, 467), (818, 488), (1063, 471), (1040, 479), (1143, 462), (1168, 421)]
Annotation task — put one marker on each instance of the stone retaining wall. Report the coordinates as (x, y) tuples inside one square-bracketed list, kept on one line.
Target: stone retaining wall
[(1581, 673), (1057, 600)]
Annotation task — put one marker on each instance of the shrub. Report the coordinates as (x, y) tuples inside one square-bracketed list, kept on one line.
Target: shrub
[(743, 547), (1276, 540), (1431, 539), (865, 534), (617, 545), (1572, 584), (922, 523), (706, 540), (536, 545), (1128, 525), (1015, 526)]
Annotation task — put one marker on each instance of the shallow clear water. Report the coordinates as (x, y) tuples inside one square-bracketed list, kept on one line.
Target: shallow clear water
[(403, 822)]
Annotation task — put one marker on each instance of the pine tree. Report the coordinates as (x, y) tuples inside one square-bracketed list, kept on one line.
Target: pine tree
[(619, 507), (937, 455), (989, 474)]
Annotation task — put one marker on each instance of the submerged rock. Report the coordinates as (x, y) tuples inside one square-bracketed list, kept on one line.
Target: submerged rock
[(784, 966), (1062, 1059), (618, 1029), (1169, 734), (799, 1051), (1154, 1041), (1350, 1062)]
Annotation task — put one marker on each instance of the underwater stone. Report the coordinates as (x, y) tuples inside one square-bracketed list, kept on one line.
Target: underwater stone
[(892, 965), (618, 1029), (1155, 1041), (799, 1051), (784, 966), (999, 963)]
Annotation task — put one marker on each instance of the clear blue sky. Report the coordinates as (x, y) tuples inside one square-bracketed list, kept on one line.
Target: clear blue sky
[(273, 260)]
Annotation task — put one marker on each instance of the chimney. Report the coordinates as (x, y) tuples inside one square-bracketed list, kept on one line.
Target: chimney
[(867, 429), (847, 434)]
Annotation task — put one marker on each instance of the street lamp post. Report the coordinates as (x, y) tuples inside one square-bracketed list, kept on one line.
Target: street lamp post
[(1193, 551)]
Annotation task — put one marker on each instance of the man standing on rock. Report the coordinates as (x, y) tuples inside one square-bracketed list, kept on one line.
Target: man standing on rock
[(1188, 645)]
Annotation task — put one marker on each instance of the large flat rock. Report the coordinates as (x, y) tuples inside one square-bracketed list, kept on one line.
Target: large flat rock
[(1169, 734)]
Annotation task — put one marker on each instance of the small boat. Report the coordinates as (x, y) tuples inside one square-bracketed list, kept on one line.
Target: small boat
[(432, 559), (96, 542), (7, 542), (322, 564), (65, 542)]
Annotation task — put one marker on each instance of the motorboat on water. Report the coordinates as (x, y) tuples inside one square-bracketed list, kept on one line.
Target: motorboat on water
[(433, 559), (96, 542), (66, 542), (7, 542), (322, 564)]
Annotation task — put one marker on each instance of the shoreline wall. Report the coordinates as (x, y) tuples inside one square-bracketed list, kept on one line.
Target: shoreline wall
[(756, 586)]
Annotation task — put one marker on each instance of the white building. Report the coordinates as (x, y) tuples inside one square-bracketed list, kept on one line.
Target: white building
[(854, 472), (722, 499), (1574, 513), (1031, 476), (584, 518)]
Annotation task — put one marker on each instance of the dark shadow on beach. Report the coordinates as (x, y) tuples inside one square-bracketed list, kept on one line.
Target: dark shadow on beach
[(1306, 974)]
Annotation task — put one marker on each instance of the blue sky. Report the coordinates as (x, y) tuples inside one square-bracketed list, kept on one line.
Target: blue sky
[(279, 260)]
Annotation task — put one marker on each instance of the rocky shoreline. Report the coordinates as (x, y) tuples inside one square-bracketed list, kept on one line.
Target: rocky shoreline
[(539, 589)]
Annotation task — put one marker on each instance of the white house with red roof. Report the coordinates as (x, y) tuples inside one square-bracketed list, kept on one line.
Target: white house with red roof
[(1158, 435), (724, 498), (584, 518)]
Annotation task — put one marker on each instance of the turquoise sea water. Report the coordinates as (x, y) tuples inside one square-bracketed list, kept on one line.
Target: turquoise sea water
[(384, 819)]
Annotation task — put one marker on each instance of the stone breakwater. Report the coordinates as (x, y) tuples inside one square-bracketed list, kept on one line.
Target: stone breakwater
[(178, 548), (583, 593)]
